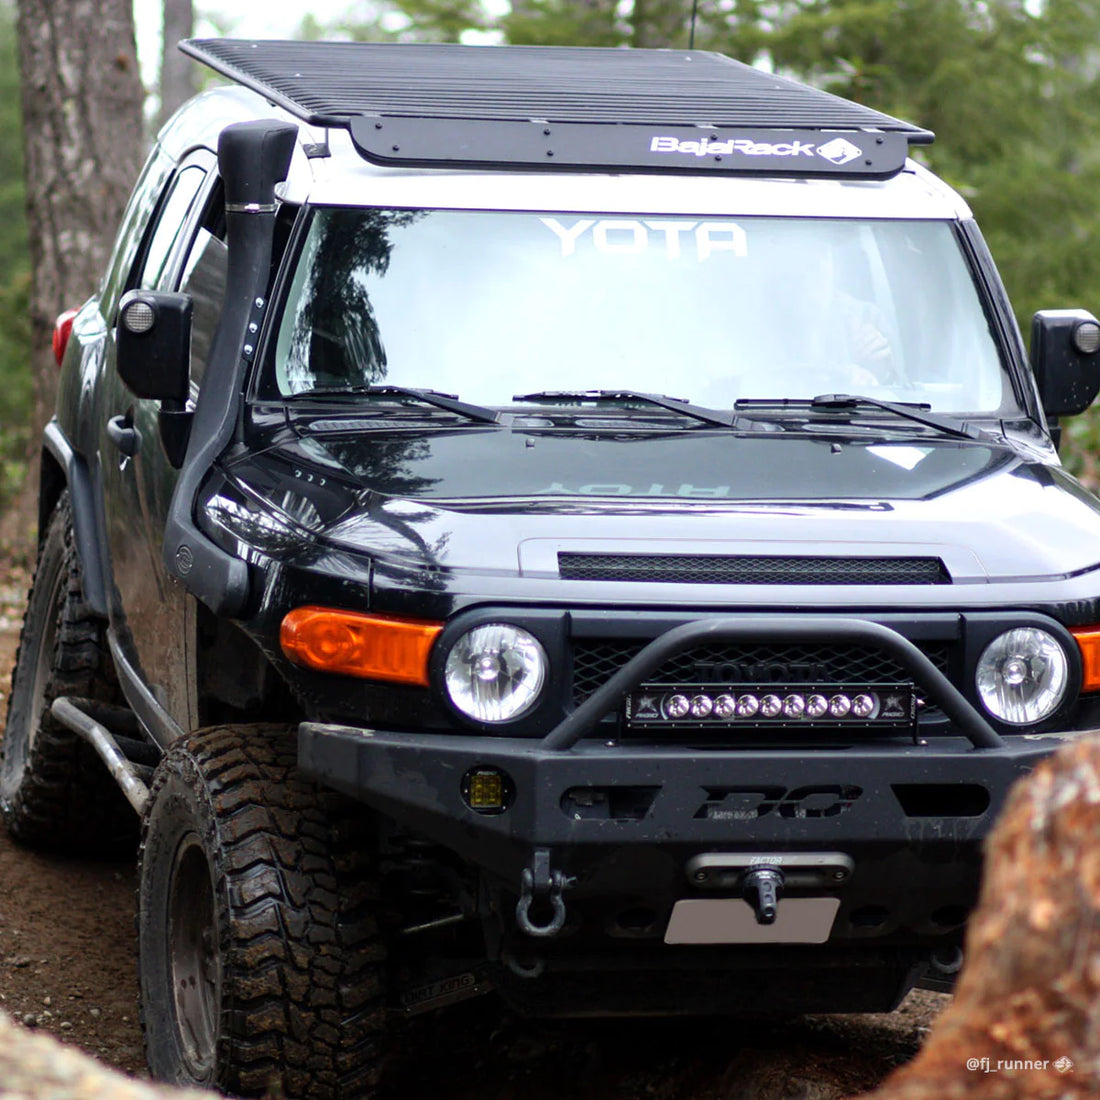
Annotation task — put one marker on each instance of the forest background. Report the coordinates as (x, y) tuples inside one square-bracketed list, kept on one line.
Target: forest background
[(1010, 87)]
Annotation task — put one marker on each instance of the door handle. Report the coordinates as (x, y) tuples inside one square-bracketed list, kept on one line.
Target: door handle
[(123, 434)]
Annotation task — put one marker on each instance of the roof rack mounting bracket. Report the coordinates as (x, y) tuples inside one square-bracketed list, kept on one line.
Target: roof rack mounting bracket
[(451, 143)]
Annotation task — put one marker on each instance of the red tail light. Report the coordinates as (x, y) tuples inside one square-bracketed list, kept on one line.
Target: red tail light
[(62, 330)]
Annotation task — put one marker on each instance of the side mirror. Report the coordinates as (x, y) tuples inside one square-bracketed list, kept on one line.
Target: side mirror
[(153, 345), (1064, 347)]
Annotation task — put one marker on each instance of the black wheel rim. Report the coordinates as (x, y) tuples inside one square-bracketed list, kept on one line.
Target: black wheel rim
[(194, 972)]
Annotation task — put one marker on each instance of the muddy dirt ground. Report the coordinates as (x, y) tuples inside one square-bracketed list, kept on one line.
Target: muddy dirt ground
[(67, 966)]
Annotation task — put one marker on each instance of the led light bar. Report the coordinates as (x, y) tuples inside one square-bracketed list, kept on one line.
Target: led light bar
[(745, 706)]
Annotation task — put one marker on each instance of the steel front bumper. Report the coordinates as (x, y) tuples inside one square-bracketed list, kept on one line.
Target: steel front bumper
[(593, 798), (876, 847), (899, 825), (879, 844)]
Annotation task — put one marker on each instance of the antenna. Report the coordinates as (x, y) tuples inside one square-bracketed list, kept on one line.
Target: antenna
[(694, 12)]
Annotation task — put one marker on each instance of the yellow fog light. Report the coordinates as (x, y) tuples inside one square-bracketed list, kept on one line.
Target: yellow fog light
[(486, 790)]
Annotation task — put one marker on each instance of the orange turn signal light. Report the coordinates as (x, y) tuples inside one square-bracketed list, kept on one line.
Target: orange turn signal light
[(374, 647), (1088, 641)]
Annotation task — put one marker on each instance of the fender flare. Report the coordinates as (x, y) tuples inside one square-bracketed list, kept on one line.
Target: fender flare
[(70, 469)]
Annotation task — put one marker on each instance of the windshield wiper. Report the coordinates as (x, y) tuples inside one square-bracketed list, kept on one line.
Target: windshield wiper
[(448, 401), (839, 402), (684, 408)]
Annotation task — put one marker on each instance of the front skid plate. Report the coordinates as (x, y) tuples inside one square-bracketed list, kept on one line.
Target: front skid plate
[(946, 793)]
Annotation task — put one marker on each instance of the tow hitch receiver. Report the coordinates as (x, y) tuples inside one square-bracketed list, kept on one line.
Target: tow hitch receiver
[(763, 910)]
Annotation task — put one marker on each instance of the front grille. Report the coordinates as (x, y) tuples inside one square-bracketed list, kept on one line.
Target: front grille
[(596, 660), (719, 569)]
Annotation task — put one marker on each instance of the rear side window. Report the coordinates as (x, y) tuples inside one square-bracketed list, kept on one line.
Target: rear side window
[(172, 222)]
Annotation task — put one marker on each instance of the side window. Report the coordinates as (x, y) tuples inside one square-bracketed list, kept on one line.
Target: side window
[(139, 210), (155, 267), (204, 279)]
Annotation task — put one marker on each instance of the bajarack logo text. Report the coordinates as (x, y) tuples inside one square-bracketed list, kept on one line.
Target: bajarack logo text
[(838, 151)]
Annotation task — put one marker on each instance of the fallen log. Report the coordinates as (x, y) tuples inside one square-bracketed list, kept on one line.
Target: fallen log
[(1025, 1020), (35, 1066)]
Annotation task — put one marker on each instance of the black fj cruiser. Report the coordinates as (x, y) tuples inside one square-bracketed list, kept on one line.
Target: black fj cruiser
[(574, 523)]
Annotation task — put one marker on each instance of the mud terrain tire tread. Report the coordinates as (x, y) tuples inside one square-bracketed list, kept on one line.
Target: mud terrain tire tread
[(61, 797), (300, 1011)]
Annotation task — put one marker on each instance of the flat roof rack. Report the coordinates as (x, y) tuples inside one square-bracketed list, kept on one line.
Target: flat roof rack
[(555, 108)]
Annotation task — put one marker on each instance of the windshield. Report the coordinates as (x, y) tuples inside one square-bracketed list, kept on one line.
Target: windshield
[(488, 305)]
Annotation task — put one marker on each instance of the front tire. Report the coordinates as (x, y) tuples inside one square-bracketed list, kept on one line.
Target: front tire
[(260, 963), (55, 792)]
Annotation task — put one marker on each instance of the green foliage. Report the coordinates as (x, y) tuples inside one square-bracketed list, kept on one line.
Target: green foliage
[(441, 20), (15, 335), (409, 21), (565, 23)]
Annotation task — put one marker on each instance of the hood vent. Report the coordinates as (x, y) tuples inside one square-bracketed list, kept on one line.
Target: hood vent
[(720, 569)]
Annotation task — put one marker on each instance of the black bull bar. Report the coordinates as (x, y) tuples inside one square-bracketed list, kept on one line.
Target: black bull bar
[(946, 790)]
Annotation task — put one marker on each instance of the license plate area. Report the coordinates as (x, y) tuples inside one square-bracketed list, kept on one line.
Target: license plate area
[(732, 920), (886, 708)]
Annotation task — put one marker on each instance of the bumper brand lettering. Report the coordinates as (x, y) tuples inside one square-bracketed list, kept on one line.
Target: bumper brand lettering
[(749, 803)]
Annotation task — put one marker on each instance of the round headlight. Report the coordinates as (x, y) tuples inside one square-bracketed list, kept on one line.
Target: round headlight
[(1022, 676), (495, 672)]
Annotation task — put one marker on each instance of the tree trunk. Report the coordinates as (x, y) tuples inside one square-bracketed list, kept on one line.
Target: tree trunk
[(82, 139), (177, 71)]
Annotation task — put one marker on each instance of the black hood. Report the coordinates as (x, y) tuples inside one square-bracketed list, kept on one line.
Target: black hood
[(505, 501)]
